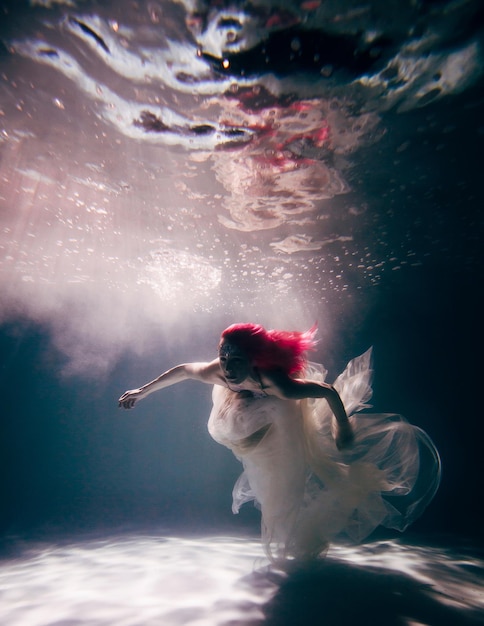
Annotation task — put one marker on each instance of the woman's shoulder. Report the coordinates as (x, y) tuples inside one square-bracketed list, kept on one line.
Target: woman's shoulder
[(207, 372)]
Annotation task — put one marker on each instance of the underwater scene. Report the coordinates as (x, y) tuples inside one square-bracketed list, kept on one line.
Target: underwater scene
[(170, 169)]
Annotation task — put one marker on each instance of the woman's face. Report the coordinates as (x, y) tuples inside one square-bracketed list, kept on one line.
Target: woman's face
[(234, 363)]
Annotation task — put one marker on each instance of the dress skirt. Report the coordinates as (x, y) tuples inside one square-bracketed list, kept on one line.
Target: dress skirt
[(309, 492)]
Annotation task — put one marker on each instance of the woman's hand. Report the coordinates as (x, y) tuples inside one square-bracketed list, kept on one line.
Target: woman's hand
[(344, 435), (129, 398)]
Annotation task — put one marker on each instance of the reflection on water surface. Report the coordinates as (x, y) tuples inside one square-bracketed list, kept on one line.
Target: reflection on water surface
[(198, 156)]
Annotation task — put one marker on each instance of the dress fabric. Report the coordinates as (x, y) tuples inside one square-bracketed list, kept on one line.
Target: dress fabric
[(309, 492)]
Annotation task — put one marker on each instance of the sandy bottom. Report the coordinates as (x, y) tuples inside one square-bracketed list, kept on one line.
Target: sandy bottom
[(146, 579)]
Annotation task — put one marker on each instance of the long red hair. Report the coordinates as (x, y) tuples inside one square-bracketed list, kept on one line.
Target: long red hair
[(272, 349)]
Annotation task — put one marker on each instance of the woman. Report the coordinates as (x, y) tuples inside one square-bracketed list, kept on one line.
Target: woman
[(315, 473)]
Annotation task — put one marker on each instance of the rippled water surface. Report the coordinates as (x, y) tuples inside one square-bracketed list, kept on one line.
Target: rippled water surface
[(191, 157)]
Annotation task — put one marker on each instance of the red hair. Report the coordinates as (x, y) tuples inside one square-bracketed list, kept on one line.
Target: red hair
[(272, 349)]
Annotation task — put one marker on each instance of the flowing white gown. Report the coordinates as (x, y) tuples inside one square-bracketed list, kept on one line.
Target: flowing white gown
[(308, 491)]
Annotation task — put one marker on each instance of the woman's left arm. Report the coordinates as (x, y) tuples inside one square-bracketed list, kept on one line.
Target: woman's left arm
[(283, 386)]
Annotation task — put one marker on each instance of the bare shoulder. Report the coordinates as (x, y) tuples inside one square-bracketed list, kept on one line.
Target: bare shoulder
[(207, 372)]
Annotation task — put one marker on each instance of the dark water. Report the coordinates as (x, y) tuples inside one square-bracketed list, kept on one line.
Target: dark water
[(168, 168)]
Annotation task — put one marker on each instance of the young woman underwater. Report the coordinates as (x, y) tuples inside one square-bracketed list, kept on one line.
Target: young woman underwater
[(316, 470)]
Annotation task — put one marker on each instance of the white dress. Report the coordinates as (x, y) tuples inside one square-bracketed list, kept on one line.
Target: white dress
[(309, 492)]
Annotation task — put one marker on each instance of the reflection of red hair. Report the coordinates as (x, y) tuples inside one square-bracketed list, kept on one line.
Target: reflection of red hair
[(272, 349)]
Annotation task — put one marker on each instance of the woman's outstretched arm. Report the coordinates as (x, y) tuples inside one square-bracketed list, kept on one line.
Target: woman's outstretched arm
[(209, 373)]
